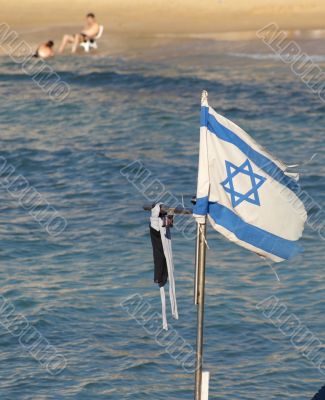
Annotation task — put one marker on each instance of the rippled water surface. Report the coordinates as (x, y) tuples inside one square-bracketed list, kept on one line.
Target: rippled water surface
[(69, 287)]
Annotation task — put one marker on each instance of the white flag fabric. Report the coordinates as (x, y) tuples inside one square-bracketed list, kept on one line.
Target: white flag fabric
[(247, 194)]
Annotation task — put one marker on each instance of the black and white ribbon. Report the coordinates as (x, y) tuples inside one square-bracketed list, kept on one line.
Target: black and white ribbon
[(163, 260)]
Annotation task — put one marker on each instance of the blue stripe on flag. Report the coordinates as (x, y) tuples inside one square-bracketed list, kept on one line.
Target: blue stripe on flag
[(204, 116), (259, 159), (202, 206), (253, 235)]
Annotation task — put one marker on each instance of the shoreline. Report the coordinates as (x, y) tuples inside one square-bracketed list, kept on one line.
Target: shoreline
[(129, 45)]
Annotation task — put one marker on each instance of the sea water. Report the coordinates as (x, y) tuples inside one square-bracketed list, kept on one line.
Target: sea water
[(71, 287)]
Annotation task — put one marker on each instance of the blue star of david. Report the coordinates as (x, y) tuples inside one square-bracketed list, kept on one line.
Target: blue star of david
[(256, 180)]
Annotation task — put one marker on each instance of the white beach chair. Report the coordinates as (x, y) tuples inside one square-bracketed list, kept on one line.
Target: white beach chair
[(92, 43)]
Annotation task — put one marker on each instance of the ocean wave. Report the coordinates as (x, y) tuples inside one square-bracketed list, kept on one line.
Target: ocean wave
[(276, 57)]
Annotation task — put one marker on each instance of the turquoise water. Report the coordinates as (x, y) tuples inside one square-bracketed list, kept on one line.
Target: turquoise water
[(70, 286)]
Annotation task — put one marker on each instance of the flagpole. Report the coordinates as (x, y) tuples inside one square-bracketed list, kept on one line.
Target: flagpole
[(196, 272), (203, 192), (200, 285)]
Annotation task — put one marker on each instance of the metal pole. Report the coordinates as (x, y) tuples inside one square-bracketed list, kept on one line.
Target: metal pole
[(200, 309), (196, 272)]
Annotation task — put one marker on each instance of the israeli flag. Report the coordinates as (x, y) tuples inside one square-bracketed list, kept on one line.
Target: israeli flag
[(247, 194)]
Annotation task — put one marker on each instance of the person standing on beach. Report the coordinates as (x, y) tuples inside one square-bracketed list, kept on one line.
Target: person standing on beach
[(89, 32), (45, 50)]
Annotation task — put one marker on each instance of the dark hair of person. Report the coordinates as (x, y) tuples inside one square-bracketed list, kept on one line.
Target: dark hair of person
[(50, 43), (90, 15)]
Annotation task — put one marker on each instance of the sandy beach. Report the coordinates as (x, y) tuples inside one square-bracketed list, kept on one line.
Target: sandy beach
[(133, 27), (89, 138), (173, 16)]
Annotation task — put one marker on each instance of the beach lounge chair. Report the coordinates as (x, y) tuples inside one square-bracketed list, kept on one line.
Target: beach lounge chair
[(92, 43)]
